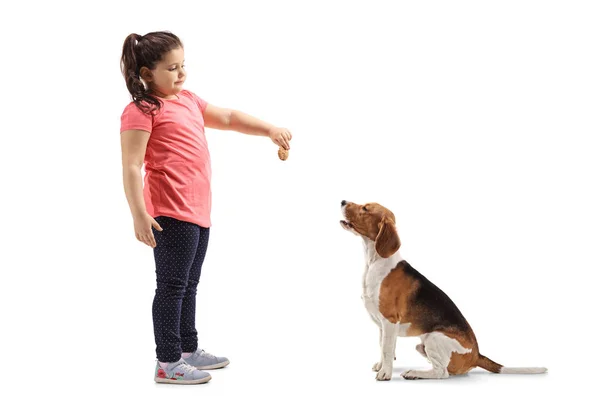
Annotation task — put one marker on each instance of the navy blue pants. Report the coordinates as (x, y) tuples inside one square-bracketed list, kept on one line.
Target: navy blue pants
[(179, 254)]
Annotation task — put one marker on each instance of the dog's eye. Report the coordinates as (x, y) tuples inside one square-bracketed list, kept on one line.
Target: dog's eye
[(364, 208)]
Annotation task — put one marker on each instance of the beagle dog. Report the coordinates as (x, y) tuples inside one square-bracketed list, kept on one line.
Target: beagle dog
[(402, 302)]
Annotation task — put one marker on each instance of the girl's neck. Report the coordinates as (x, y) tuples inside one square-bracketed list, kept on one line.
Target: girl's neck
[(164, 96)]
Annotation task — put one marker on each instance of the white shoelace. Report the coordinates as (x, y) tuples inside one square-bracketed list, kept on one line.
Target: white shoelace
[(187, 368), (206, 354)]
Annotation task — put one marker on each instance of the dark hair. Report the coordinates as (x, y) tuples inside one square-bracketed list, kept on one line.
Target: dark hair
[(145, 51)]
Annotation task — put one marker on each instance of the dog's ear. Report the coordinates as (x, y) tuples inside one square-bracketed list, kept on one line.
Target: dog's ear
[(387, 241)]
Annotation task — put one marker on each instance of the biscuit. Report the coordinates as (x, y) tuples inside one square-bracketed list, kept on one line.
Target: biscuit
[(283, 153)]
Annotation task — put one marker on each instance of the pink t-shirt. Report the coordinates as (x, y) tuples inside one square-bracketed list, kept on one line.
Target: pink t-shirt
[(177, 161)]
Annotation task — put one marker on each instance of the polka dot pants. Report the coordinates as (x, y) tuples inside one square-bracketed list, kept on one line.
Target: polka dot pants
[(179, 253)]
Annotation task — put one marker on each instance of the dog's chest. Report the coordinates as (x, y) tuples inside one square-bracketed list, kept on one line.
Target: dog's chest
[(370, 294), (375, 273)]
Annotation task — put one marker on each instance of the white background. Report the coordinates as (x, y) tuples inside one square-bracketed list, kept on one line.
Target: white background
[(476, 122)]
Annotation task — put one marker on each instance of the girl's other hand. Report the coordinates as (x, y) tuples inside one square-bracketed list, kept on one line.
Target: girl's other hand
[(143, 229), (281, 137)]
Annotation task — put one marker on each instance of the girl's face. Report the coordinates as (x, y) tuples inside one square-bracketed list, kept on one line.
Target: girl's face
[(167, 78)]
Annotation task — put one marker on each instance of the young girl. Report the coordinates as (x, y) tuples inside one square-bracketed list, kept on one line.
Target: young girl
[(163, 128)]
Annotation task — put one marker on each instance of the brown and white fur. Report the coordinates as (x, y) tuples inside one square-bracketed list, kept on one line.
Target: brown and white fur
[(402, 302)]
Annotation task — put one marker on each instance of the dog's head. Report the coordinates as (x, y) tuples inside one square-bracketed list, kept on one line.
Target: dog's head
[(373, 222)]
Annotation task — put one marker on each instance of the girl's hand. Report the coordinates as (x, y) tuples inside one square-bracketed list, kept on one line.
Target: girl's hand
[(143, 229), (281, 137)]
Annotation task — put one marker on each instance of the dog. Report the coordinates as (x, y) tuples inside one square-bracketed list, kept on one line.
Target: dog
[(402, 302)]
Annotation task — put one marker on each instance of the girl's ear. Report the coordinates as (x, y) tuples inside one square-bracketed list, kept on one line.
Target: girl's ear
[(146, 74)]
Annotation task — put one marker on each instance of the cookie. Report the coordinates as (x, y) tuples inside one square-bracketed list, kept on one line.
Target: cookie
[(283, 153)]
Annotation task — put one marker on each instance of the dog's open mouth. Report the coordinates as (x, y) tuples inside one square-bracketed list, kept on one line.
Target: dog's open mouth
[(346, 224)]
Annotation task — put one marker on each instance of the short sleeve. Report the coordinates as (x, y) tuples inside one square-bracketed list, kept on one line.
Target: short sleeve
[(134, 118), (201, 103)]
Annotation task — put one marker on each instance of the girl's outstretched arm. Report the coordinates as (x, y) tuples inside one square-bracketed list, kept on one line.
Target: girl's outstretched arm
[(233, 120)]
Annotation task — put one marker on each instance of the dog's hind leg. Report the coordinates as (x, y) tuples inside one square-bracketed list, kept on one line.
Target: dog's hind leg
[(438, 348), (421, 349)]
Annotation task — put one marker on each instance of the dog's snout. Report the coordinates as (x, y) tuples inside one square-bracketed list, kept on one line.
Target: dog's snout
[(344, 202)]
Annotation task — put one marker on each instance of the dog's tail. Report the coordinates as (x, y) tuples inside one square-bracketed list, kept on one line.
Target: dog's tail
[(487, 364)]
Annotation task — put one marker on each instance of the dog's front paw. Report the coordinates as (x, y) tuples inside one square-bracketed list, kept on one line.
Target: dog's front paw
[(384, 374), (411, 375), (377, 366)]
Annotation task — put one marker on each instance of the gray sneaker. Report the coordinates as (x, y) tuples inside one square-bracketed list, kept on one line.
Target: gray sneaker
[(203, 360), (180, 373)]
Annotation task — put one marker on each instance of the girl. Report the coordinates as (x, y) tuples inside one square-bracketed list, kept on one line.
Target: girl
[(163, 129)]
